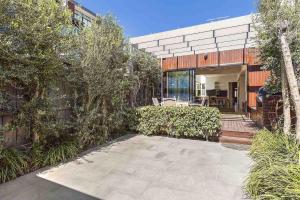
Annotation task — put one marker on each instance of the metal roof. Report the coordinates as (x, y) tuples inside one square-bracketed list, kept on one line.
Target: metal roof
[(229, 34)]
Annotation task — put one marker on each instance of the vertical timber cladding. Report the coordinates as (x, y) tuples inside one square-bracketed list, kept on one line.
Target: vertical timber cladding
[(256, 76), (256, 79), (208, 59), (169, 64), (187, 62), (237, 56), (232, 57), (228, 57), (181, 62)]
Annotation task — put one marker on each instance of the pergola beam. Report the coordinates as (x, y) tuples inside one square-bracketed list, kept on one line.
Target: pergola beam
[(214, 36)]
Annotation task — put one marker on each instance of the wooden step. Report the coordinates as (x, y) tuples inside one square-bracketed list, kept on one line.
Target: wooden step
[(237, 134), (235, 140)]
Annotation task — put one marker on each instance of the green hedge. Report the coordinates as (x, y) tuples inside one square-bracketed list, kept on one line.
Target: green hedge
[(193, 122), (276, 170)]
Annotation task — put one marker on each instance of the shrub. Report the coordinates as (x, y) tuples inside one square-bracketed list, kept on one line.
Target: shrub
[(195, 122), (43, 155), (274, 147), (276, 171), (12, 164)]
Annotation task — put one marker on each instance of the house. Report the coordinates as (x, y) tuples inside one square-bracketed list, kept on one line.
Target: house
[(81, 15), (217, 60)]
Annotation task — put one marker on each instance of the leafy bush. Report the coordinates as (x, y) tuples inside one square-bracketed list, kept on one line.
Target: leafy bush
[(195, 122), (276, 171), (43, 155), (12, 164), (271, 147)]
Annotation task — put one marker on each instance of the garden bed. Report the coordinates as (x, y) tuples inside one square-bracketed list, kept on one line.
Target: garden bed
[(276, 170)]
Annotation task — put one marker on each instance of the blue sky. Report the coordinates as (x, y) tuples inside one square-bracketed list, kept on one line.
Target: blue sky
[(140, 17)]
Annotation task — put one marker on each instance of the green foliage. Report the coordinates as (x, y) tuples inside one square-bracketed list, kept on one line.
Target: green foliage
[(46, 67), (194, 122), (104, 84), (146, 73), (276, 171), (272, 13), (12, 164), (35, 35), (53, 152)]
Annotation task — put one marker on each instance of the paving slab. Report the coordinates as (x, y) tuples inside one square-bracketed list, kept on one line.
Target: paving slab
[(137, 167)]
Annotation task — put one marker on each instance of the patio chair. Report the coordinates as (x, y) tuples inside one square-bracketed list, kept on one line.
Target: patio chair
[(155, 102), (204, 101), (169, 102), (201, 101)]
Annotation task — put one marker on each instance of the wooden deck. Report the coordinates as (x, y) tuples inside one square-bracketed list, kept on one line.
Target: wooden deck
[(239, 123), (237, 129)]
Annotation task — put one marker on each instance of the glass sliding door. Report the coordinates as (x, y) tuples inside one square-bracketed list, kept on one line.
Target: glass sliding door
[(183, 79), (172, 85), (180, 84)]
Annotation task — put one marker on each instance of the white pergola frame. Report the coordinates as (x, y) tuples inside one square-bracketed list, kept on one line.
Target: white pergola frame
[(229, 34)]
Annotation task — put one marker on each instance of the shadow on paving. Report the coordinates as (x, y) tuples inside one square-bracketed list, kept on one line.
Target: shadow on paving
[(32, 187)]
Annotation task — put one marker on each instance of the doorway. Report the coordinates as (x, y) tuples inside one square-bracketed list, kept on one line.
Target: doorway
[(233, 95)]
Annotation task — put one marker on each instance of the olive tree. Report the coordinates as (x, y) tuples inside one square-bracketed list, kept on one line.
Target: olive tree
[(147, 73), (104, 58), (278, 37)]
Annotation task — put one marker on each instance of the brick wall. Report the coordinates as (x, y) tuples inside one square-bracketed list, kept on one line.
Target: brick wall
[(272, 110), (268, 115)]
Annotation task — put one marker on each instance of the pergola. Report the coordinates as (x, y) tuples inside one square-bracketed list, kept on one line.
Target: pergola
[(229, 34)]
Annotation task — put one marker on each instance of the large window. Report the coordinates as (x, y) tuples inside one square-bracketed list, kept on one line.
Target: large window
[(180, 84), (83, 19)]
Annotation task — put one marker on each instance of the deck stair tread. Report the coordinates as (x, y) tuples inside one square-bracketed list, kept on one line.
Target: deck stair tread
[(235, 140), (238, 134), (237, 129)]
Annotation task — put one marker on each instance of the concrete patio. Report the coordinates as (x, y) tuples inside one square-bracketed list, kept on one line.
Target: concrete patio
[(140, 168)]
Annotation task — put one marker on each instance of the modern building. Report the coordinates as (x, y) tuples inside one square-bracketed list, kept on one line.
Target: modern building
[(217, 61), (82, 17)]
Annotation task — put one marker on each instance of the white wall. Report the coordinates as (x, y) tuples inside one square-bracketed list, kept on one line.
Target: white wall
[(242, 90), (223, 80)]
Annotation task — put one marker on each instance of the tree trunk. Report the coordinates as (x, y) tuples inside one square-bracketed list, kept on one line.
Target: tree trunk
[(105, 118), (38, 94), (286, 102), (292, 80)]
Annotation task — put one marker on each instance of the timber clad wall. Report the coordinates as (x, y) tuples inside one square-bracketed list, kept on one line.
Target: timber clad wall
[(232, 56), (187, 61), (250, 57), (210, 59), (169, 64), (256, 79), (238, 56), (252, 99)]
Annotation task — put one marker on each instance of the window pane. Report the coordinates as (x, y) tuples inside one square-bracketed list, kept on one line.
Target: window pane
[(183, 85), (180, 85), (172, 84)]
